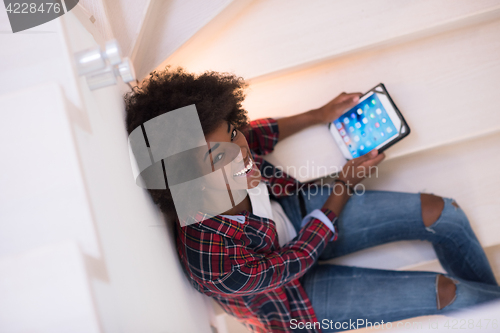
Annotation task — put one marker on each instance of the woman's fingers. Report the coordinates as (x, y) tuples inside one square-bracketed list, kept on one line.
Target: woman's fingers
[(371, 164), (345, 101), (348, 103), (361, 167), (348, 95), (374, 160), (353, 97), (379, 158), (366, 157)]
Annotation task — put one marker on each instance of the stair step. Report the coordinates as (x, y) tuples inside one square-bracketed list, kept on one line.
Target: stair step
[(276, 36)]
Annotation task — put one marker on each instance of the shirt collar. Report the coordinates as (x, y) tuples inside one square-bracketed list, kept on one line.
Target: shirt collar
[(220, 225)]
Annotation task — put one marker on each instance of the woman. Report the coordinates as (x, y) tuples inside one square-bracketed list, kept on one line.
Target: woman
[(258, 259)]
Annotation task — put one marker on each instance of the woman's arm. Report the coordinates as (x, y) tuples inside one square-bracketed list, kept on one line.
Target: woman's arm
[(325, 114)]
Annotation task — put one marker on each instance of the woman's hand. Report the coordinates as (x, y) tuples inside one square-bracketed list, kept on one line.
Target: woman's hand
[(336, 107), (355, 170), (352, 173)]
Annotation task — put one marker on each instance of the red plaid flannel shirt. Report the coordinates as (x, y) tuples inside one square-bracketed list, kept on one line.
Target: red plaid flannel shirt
[(242, 266)]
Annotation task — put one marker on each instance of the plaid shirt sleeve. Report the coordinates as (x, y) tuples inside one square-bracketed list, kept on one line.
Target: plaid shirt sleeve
[(252, 272), (262, 135)]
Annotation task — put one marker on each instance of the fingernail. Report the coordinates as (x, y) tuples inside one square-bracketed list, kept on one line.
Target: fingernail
[(373, 152)]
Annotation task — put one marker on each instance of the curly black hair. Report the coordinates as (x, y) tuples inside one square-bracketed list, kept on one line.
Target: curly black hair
[(217, 96)]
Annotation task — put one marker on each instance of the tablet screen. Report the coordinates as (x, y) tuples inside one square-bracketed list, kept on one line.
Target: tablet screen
[(366, 126)]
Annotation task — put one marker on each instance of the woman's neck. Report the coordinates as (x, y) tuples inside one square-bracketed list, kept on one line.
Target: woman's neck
[(245, 204)]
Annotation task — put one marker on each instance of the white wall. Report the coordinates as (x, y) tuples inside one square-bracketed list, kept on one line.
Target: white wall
[(65, 178)]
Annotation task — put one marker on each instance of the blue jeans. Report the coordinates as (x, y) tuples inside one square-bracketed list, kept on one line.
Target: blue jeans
[(342, 293)]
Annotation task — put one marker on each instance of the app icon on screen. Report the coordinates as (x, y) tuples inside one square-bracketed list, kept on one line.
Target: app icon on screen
[(346, 120), (356, 138), (374, 102), (382, 134), (361, 147), (363, 133), (368, 143), (384, 120), (377, 125), (353, 115), (358, 125), (389, 130), (346, 139), (351, 129), (338, 125), (365, 120), (360, 111), (342, 132), (378, 111), (372, 115)]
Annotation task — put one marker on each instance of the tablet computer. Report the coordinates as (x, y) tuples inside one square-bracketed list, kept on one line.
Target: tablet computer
[(374, 123)]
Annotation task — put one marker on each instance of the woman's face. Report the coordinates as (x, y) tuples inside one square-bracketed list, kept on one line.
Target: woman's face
[(224, 154)]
